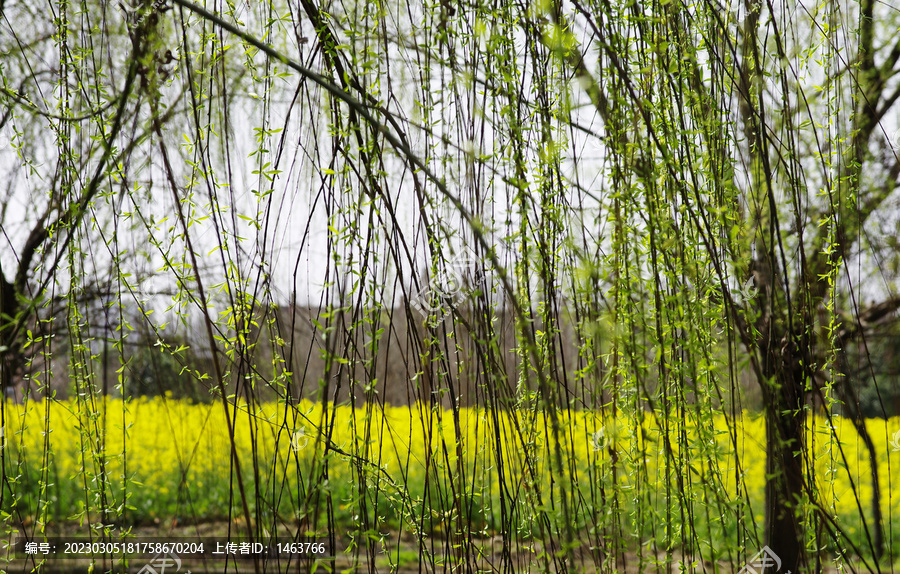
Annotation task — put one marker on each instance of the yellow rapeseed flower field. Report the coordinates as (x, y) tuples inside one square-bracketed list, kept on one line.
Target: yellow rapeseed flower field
[(163, 457)]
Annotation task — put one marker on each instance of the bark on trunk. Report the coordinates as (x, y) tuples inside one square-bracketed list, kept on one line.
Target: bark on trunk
[(9, 308), (784, 463)]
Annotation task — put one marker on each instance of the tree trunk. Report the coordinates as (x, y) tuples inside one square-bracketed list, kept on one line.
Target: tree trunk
[(8, 311), (784, 463)]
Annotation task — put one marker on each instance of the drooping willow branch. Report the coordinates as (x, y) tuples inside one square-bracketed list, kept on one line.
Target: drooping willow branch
[(399, 143)]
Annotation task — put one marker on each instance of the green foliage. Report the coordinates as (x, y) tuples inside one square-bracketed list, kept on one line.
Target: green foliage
[(669, 211)]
